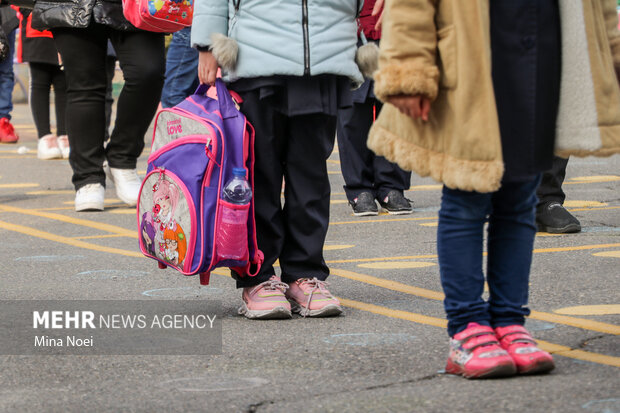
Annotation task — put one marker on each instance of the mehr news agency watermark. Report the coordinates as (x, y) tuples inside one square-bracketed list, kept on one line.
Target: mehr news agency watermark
[(158, 327)]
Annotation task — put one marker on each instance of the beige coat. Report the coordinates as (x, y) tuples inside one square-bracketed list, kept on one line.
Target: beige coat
[(441, 49)]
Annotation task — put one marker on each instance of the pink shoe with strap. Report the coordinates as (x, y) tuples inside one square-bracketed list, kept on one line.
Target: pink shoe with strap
[(310, 298), (518, 342), (266, 300), (475, 353)]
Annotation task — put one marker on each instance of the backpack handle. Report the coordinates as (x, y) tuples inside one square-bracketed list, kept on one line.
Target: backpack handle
[(228, 108)]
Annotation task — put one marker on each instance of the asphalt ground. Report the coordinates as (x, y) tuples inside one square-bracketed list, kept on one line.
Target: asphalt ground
[(385, 354)]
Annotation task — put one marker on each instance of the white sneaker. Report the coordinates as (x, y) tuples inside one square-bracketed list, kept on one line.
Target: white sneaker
[(63, 144), (127, 183), (48, 148), (90, 197)]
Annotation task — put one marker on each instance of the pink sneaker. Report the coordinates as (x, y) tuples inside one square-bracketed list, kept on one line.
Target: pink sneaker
[(311, 298), (518, 342), (266, 300), (475, 353)]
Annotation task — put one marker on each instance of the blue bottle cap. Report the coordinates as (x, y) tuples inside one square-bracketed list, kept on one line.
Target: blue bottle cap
[(239, 172)]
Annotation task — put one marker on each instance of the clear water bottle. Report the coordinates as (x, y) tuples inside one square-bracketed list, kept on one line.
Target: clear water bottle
[(232, 240)]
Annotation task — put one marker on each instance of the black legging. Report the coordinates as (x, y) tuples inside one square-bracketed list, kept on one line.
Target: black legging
[(42, 77), (142, 60)]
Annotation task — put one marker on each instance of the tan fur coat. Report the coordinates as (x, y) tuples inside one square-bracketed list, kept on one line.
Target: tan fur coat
[(441, 49)]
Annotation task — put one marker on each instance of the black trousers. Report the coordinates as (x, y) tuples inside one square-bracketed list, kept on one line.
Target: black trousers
[(295, 148), (362, 170), (550, 188), (84, 54), (42, 77)]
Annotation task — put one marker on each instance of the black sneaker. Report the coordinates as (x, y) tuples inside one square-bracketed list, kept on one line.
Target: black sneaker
[(555, 219), (396, 204), (364, 205)]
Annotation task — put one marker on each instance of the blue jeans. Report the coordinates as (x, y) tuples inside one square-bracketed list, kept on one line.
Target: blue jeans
[(511, 231), (7, 80), (181, 69)]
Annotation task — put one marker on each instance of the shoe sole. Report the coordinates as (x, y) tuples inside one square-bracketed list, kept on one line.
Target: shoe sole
[(89, 206), (330, 310), (48, 157), (502, 370), (540, 367), (366, 214), (568, 229), (276, 313), (404, 212)]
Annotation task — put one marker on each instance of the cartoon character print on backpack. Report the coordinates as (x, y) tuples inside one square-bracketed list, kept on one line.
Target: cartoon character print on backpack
[(166, 214)]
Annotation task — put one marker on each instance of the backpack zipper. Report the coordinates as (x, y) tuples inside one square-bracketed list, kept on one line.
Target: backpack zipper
[(304, 23)]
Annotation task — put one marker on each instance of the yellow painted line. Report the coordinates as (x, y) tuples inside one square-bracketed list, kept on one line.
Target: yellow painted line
[(436, 295), (579, 354), (556, 349), (98, 236), (123, 211), (593, 179), (388, 284), (610, 254), (336, 247), (338, 201), (52, 192), (65, 240), (583, 204), (333, 161), (425, 187), (403, 315), (593, 209), (70, 220), (107, 201), (365, 221), (19, 157), (577, 248), (547, 234), (430, 224), (55, 209), (396, 265), (409, 257), (22, 185), (333, 172), (601, 309)]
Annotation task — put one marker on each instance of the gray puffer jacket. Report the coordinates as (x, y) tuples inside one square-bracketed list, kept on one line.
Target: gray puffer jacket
[(50, 14)]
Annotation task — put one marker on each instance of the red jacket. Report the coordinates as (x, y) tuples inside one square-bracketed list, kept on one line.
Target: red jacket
[(367, 21)]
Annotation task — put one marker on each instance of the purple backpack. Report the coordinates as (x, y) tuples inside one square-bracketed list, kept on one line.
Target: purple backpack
[(196, 145)]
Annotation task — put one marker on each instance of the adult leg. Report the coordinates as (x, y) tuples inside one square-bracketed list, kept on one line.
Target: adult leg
[(83, 54), (310, 141), (511, 240), (268, 172), (40, 85), (60, 99), (459, 246), (142, 60), (181, 69)]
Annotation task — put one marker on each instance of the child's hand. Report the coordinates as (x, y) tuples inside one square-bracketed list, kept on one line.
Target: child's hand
[(377, 10), (207, 68), (417, 106)]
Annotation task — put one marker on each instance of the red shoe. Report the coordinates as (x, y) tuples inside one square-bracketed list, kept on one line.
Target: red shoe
[(475, 353), (522, 348), (7, 132)]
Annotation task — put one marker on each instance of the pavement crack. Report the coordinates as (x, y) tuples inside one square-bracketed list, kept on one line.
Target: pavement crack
[(254, 407), (586, 341)]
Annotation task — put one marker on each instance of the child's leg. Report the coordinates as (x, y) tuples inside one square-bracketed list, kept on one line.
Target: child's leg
[(40, 83), (459, 246), (511, 239), (268, 173), (310, 141)]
